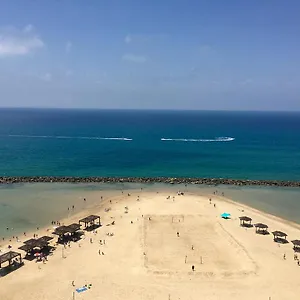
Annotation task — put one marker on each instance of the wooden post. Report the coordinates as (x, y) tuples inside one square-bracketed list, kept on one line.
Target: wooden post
[(73, 296)]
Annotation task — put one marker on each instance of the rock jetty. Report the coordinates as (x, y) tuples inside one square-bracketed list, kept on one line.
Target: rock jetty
[(166, 180)]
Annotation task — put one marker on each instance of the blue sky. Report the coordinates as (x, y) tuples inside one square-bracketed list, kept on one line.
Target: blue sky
[(169, 54)]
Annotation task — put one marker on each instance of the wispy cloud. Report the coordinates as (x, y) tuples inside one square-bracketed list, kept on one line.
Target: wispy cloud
[(16, 42), (143, 38), (128, 39), (246, 82), (68, 47), (134, 58), (46, 77), (69, 73)]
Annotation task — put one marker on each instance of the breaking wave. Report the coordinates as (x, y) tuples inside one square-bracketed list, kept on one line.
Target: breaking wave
[(70, 137), (217, 139)]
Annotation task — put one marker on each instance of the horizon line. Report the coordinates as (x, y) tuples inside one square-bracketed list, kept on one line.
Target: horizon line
[(145, 109)]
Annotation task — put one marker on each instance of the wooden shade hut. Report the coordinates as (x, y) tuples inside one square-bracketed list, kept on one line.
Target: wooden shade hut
[(44, 239), (61, 230), (91, 221), (31, 244), (280, 237), (30, 241), (245, 221), (73, 227), (261, 228), (9, 257), (296, 244)]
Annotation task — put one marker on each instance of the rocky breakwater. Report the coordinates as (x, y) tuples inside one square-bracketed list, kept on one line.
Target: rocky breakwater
[(167, 180)]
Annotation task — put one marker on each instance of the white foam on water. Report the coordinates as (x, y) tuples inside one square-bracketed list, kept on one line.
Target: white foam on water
[(217, 139), (70, 137)]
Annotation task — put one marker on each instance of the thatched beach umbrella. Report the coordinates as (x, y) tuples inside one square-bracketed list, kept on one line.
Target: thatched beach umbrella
[(245, 221), (261, 228), (280, 237), (296, 244)]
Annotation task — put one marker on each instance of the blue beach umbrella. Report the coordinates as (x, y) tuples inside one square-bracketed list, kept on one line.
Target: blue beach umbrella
[(225, 215)]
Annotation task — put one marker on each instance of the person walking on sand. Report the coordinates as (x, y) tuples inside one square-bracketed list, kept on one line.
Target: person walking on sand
[(73, 283), (177, 233), (193, 268), (284, 256)]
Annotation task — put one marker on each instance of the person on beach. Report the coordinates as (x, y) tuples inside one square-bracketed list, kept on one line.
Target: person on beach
[(177, 233), (284, 256), (193, 268), (73, 283)]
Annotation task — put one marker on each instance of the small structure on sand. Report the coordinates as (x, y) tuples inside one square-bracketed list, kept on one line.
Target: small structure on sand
[(280, 237), (245, 221), (261, 228), (41, 243), (10, 257), (91, 222), (225, 215), (296, 244), (67, 233)]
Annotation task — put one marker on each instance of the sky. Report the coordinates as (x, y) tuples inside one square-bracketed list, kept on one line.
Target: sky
[(150, 54)]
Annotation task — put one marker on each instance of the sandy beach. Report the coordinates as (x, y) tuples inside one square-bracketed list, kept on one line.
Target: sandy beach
[(163, 246)]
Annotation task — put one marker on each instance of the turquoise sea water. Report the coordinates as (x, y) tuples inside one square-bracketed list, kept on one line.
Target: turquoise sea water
[(254, 145)]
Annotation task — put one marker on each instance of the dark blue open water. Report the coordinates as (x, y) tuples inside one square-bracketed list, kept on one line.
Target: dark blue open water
[(255, 145)]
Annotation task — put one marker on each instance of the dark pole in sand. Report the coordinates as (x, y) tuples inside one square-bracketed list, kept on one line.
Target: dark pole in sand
[(201, 260)]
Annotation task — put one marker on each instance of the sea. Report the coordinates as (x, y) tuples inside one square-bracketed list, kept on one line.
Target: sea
[(222, 144), (62, 142)]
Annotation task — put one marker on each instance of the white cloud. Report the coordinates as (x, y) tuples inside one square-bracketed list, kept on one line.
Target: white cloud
[(47, 77), (16, 42), (128, 39), (68, 47), (134, 58)]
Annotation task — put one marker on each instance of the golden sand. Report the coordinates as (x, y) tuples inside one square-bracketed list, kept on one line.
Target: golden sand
[(154, 244)]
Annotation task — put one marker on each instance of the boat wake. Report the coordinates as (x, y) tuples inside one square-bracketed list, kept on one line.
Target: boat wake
[(217, 139), (70, 137)]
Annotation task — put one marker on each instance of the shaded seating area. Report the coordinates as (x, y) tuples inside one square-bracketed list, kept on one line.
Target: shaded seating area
[(68, 233), (14, 260), (91, 222), (296, 244), (245, 221), (41, 244), (280, 237), (261, 228)]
